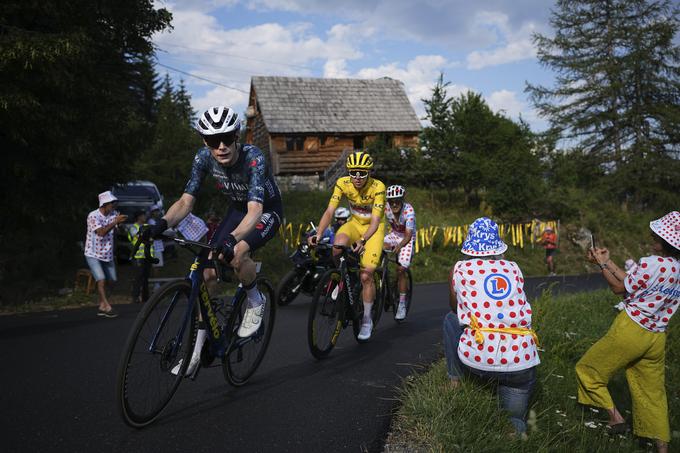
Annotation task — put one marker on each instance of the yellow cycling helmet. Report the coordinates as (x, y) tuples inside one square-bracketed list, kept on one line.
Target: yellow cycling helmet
[(359, 161)]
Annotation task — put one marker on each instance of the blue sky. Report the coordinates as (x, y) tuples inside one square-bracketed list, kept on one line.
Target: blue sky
[(483, 46)]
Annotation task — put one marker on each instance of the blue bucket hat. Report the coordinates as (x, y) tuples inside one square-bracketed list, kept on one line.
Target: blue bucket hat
[(483, 239)]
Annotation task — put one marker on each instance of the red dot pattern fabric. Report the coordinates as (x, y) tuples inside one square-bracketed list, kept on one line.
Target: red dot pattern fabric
[(653, 292), (99, 247), (406, 220), (492, 291), (406, 252)]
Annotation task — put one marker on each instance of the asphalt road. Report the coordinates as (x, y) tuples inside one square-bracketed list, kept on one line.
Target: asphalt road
[(58, 384)]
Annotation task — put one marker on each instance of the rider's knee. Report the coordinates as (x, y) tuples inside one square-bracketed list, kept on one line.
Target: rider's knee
[(366, 276), (209, 275)]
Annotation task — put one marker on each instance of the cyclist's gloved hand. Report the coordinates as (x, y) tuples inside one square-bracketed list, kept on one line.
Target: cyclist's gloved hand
[(156, 231), (228, 248)]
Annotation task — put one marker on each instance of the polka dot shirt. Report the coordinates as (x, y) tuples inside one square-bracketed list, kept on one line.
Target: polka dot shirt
[(492, 291), (653, 292), (99, 247)]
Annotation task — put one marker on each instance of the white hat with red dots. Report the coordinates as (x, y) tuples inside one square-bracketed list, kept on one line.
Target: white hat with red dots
[(668, 228)]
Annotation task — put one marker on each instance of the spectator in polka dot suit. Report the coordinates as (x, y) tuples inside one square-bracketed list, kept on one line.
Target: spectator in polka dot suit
[(636, 340), (488, 334)]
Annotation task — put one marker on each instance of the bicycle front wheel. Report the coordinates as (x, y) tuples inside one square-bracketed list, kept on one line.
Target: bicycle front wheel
[(244, 355), (326, 314), (156, 354)]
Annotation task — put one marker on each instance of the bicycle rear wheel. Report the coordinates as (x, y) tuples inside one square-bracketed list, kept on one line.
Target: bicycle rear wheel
[(162, 336), (244, 355), (285, 292), (326, 314), (409, 294)]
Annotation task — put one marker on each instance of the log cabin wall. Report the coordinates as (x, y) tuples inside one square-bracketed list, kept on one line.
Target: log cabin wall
[(305, 124)]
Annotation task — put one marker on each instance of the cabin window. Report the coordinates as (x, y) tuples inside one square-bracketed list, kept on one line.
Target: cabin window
[(359, 142), (295, 143), (386, 140)]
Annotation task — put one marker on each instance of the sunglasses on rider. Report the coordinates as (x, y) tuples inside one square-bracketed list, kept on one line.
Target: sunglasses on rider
[(359, 174), (213, 141)]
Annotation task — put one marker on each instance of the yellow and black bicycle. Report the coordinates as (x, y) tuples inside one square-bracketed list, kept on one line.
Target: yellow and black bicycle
[(337, 303), (159, 347)]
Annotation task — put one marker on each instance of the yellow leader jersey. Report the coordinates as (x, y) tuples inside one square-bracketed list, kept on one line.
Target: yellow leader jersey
[(370, 200)]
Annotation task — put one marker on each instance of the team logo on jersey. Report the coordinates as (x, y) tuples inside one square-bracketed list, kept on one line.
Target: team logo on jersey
[(497, 286), (253, 163)]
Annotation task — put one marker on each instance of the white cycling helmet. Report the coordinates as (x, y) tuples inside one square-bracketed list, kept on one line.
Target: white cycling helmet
[(342, 213), (218, 120), (395, 192)]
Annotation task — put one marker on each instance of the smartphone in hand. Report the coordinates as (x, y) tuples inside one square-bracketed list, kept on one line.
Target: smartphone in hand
[(592, 241)]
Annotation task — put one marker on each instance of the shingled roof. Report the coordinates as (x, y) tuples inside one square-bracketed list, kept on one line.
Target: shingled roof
[(311, 105)]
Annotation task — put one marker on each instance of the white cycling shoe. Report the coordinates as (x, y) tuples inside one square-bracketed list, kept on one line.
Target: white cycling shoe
[(251, 320), (401, 311), (366, 330)]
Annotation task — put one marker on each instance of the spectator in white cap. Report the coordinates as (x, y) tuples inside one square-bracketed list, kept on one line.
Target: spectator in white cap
[(636, 341), (99, 247)]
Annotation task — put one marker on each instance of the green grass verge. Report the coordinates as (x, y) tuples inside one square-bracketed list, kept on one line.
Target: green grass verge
[(625, 233), (433, 417)]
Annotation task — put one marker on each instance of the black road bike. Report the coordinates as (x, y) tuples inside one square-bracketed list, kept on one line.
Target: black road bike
[(160, 345), (310, 264), (390, 285), (337, 303)]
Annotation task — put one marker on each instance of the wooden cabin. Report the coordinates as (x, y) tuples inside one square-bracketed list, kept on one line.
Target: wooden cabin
[(306, 124)]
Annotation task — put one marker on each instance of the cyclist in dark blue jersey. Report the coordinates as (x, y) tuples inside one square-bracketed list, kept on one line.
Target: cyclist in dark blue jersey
[(254, 215)]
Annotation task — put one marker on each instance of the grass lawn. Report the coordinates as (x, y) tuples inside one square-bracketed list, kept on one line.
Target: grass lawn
[(432, 417)]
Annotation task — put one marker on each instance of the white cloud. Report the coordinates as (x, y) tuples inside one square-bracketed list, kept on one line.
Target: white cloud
[(450, 23), (517, 44), (221, 96), (419, 76), (202, 46), (336, 69), (506, 102)]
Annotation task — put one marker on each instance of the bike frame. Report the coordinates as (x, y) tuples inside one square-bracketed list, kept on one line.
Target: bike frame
[(216, 336)]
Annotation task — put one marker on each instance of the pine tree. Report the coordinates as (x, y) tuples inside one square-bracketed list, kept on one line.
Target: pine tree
[(167, 160), (617, 89), (182, 100), (71, 122)]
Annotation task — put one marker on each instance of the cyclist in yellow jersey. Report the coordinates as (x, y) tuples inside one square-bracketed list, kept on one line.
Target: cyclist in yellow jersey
[(366, 228)]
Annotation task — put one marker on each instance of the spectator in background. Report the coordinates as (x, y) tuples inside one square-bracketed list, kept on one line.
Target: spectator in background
[(140, 284), (158, 248), (99, 247), (488, 334), (549, 242), (636, 340)]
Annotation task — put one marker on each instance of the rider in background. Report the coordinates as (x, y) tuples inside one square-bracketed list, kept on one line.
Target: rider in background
[(401, 240), (340, 218), (365, 230), (254, 215)]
